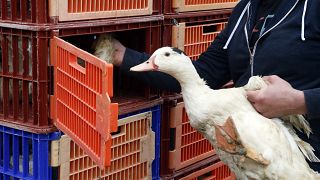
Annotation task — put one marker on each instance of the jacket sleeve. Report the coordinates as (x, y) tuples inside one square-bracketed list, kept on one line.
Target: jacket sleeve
[(312, 98), (155, 79), (212, 66)]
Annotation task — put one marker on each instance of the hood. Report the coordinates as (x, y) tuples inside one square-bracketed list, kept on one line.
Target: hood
[(285, 8)]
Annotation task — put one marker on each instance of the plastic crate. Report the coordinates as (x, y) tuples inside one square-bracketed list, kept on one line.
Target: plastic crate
[(156, 123), (195, 39), (26, 77), (26, 11), (178, 174), (25, 155), (94, 9), (199, 24), (217, 171), (178, 6), (29, 109), (181, 145), (188, 146), (54, 11), (81, 105), (24, 80), (134, 147)]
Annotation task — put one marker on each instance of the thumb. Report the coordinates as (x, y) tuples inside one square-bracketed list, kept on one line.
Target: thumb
[(271, 79), (252, 95)]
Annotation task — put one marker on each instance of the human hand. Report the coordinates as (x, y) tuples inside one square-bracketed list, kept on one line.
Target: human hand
[(118, 54), (278, 99)]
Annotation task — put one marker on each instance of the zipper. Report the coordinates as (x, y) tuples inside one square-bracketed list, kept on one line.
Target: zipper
[(255, 45)]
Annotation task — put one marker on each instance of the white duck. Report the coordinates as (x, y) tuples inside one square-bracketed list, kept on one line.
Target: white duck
[(253, 146)]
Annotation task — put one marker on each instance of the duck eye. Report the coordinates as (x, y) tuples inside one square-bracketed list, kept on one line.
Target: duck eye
[(167, 54)]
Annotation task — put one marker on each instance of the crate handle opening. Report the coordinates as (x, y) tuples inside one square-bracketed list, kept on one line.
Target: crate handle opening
[(210, 29), (81, 62), (172, 145)]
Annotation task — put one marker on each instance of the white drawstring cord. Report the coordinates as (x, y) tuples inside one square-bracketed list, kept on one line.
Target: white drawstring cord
[(236, 26), (303, 38)]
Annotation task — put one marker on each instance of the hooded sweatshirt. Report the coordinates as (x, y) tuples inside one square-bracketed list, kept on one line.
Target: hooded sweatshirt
[(288, 47)]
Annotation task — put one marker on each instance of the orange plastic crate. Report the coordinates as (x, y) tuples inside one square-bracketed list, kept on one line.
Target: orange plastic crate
[(190, 145), (195, 39), (199, 5), (217, 171), (80, 106), (132, 153), (70, 10)]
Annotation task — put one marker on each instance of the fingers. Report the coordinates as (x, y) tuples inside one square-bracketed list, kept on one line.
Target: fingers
[(270, 79), (252, 96), (255, 98)]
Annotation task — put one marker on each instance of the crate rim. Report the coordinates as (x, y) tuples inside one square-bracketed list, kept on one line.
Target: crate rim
[(22, 133), (82, 24)]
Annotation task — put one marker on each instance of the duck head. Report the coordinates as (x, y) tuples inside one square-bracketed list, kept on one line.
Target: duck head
[(166, 59)]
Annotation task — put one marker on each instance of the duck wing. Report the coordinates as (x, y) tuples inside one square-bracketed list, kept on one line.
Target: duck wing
[(228, 140), (270, 146)]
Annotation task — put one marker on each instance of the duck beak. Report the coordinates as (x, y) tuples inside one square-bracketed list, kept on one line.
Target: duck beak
[(149, 65)]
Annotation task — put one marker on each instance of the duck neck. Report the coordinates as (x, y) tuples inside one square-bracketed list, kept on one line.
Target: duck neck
[(191, 83), (195, 93)]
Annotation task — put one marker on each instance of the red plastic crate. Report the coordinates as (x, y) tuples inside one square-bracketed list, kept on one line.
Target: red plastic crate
[(189, 145), (193, 169), (178, 6), (217, 171), (25, 75), (54, 11), (195, 39), (132, 153), (26, 11), (24, 80)]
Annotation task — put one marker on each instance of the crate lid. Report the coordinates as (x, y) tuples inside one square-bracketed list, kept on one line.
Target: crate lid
[(81, 106)]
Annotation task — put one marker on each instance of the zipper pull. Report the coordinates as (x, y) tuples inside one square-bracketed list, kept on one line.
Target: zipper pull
[(251, 64)]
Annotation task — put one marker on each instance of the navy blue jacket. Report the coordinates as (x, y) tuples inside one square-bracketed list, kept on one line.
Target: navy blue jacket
[(289, 48)]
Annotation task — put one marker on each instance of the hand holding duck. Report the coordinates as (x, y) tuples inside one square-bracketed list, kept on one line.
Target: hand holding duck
[(278, 99)]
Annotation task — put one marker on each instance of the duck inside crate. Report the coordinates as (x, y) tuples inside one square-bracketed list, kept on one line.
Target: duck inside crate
[(25, 77), (127, 90)]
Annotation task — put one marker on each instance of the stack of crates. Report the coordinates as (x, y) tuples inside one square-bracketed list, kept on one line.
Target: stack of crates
[(57, 97), (65, 114), (26, 133), (191, 26)]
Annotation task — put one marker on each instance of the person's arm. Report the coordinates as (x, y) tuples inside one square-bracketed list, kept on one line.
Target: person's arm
[(155, 79), (212, 66)]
